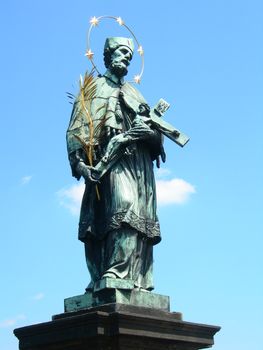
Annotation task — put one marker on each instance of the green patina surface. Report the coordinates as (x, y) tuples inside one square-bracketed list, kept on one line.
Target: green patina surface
[(114, 134), (113, 283), (120, 296)]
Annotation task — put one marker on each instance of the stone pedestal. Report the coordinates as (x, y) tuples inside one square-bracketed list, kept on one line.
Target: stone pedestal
[(116, 326), (117, 291)]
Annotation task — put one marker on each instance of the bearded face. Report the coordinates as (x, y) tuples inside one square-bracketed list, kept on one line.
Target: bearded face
[(120, 60)]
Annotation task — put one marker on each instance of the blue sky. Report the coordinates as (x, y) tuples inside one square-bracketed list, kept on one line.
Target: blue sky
[(205, 58)]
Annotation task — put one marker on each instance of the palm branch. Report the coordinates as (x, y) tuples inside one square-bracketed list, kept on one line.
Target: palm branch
[(71, 97), (87, 94)]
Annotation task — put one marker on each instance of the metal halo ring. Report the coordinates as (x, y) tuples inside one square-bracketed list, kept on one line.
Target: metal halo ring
[(93, 23)]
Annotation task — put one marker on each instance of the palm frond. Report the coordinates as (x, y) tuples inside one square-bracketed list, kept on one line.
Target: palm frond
[(87, 94), (71, 97), (99, 128), (101, 107), (83, 143)]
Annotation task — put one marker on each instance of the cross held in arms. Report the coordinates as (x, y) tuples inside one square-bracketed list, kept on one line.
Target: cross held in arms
[(161, 125), (118, 144)]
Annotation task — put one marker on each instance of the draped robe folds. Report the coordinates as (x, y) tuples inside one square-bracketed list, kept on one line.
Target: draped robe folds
[(127, 196)]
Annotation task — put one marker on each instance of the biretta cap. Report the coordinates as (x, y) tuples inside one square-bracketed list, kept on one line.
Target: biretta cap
[(115, 42)]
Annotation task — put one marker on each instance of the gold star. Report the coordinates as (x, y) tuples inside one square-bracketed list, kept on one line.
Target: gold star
[(94, 21), (140, 50), (89, 54), (120, 21), (137, 79)]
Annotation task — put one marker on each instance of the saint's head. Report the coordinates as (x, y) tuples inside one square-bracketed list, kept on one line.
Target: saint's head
[(118, 53)]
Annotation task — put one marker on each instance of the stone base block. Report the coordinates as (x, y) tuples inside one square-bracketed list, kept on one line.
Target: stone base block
[(113, 283), (116, 327), (105, 295)]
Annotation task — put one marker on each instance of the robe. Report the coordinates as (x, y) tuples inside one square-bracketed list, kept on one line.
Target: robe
[(125, 198)]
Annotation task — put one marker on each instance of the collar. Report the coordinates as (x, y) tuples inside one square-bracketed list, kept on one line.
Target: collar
[(113, 78)]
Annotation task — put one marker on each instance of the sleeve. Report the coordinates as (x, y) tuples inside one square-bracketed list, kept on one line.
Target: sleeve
[(74, 136), (155, 144)]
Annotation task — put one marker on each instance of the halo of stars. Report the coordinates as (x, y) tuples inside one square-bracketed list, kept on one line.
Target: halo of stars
[(94, 22)]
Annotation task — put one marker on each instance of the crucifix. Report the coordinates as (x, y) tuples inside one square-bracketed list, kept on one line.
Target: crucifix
[(117, 146)]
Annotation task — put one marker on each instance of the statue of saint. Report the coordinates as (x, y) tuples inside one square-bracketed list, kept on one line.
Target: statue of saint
[(118, 222)]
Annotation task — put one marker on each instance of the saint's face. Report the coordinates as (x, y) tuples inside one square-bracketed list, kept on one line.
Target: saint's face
[(120, 60)]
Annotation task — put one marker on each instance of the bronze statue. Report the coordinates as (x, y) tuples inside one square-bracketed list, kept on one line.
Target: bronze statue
[(118, 220)]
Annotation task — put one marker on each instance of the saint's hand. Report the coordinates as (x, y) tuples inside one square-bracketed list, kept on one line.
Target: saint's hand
[(89, 173), (139, 130), (114, 145)]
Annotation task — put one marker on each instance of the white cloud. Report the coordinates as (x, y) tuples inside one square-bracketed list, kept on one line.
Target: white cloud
[(174, 191), (162, 173), (71, 197), (39, 296), (11, 321), (26, 179)]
